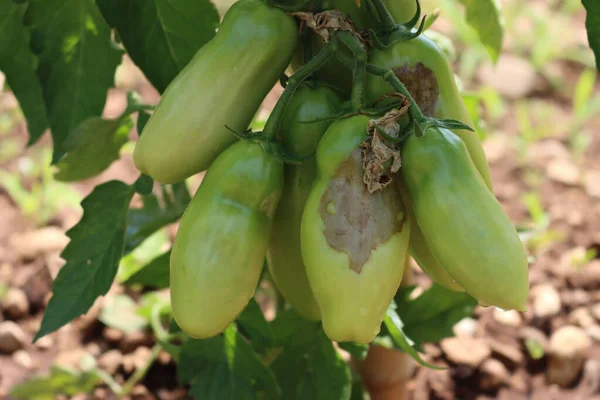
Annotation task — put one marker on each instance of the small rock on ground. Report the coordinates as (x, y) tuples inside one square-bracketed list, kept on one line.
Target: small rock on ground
[(466, 351), (14, 304), (12, 337), (546, 301), (568, 347)]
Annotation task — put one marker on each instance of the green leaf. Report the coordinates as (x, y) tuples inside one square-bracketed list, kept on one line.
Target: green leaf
[(92, 147), (143, 222), (430, 317), (315, 371), (394, 326), (534, 348), (155, 274), (291, 329), (224, 367), (120, 312), (252, 323), (144, 185), (592, 23), (485, 16), (18, 64), (358, 391), (77, 62), (173, 327), (61, 381), (161, 36), (92, 255)]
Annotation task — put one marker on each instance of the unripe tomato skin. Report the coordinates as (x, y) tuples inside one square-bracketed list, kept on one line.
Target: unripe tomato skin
[(222, 86), (300, 139), (464, 225), (221, 243), (354, 244), (424, 69)]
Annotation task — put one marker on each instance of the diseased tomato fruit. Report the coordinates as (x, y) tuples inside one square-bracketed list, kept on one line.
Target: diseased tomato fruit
[(354, 244), (299, 139), (222, 86), (464, 225), (221, 244), (425, 71)]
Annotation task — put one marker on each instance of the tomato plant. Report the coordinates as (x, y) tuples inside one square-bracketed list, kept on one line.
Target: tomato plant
[(297, 240)]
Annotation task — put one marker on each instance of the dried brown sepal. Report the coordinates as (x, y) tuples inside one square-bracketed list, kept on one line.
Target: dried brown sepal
[(326, 22), (381, 157)]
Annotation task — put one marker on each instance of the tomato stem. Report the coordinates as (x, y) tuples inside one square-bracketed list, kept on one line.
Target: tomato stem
[(388, 74), (300, 5), (382, 14), (358, 66), (272, 126)]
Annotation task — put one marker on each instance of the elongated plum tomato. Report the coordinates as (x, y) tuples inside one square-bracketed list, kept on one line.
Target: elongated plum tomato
[(464, 225), (419, 249), (222, 86), (299, 139), (354, 244), (221, 244), (425, 71)]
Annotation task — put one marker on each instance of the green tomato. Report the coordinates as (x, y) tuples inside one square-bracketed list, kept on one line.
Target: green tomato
[(419, 249), (221, 244), (222, 86), (425, 71), (300, 140), (354, 244), (463, 223)]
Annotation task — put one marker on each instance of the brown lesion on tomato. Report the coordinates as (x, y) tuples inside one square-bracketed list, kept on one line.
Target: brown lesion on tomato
[(422, 85), (357, 222)]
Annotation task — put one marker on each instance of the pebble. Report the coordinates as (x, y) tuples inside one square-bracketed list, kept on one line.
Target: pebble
[(113, 334), (29, 244), (494, 374), (568, 347), (44, 343), (111, 361), (12, 337), (563, 170), (466, 327), (588, 276), (14, 304), (513, 77), (136, 360), (593, 331), (135, 339), (582, 316), (466, 351), (591, 183), (23, 358), (510, 318), (508, 352), (576, 298), (595, 310), (546, 301)]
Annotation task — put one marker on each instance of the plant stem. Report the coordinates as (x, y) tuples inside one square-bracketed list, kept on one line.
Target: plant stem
[(357, 64), (141, 372), (388, 74), (387, 21), (358, 89), (301, 5), (272, 126)]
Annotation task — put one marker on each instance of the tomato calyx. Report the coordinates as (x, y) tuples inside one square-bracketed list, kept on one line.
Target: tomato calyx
[(390, 32)]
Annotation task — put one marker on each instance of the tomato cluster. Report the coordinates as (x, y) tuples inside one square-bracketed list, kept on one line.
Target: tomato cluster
[(335, 250)]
